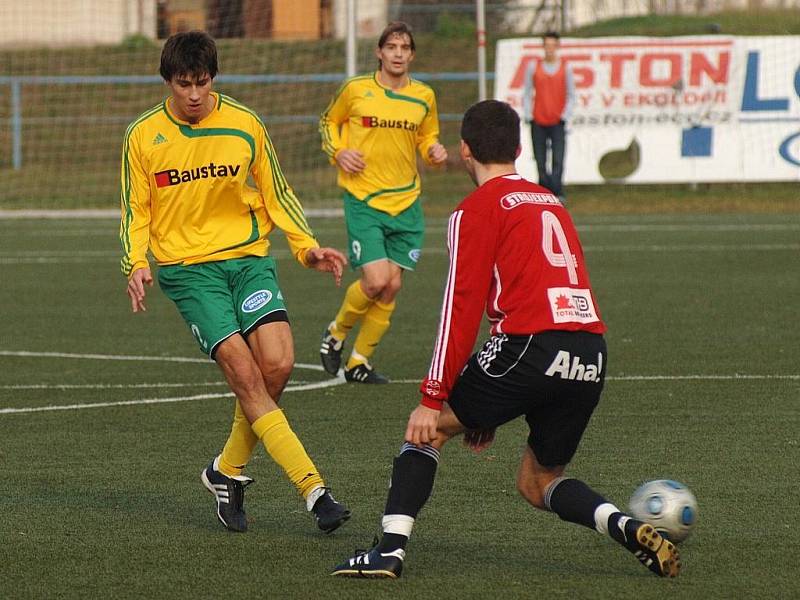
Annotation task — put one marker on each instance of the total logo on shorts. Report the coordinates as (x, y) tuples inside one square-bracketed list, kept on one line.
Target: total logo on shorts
[(256, 300)]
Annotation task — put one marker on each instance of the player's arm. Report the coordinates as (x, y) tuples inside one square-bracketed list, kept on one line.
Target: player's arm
[(430, 149), (285, 211), (134, 231), (330, 126), (472, 240)]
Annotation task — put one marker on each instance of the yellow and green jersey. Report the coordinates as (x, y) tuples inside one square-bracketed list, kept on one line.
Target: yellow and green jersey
[(387, 127), (185, 191)]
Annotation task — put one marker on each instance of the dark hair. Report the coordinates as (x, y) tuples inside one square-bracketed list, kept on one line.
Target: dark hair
[(551, 34), (189, 53), (491, 130), (396, 28)]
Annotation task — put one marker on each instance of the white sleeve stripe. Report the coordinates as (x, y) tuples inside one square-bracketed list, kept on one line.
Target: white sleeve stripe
[(441, 339), (447, 305), (440, 349), (437, 345), (496, 303)]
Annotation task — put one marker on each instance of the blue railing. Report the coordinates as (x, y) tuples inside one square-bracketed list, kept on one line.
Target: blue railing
[(17, 81)]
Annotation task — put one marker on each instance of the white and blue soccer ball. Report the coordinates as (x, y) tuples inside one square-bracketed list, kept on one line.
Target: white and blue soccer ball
[(668, 506)]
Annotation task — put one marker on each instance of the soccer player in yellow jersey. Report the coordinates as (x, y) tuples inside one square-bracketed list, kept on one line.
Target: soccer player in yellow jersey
[(372, 130), (185, 196)]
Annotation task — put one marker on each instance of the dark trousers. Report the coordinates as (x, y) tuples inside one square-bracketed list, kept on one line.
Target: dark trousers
[(555, 135)]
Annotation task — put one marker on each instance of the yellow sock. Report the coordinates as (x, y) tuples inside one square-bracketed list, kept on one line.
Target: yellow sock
[(376, 323), (354, 305), (286, 450), (239, 447)]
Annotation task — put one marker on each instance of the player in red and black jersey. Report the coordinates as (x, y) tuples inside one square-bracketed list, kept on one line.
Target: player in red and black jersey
[(515, 254)]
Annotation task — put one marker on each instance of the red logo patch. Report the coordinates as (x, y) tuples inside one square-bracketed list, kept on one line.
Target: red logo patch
[(563, 303), (433, 388), (163, 179)]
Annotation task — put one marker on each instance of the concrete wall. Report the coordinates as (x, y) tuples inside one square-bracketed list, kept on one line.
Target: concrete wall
[(74, 22)]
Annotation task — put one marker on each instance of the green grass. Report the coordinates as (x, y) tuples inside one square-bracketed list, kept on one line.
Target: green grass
[(107, 501)]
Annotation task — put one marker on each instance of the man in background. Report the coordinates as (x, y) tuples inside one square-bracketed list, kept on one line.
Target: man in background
[(371, 131), (547, 102)]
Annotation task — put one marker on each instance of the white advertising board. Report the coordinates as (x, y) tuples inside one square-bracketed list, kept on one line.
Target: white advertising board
[(686, 109)]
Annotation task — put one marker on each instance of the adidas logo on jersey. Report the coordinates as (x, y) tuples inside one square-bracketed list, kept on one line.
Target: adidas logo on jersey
[(566, 366), (388, 123), (159, 139), (174, 176)]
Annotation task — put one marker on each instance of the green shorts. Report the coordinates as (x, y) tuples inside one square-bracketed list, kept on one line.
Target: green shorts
[(376, 235), (219, 299)]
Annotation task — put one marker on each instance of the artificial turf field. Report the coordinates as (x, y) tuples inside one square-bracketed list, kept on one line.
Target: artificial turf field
[(105, 501)]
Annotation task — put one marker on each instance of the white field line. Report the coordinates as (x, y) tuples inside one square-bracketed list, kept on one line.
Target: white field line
[(299, 386), (296, 388), (340, 381), (690, 227), (77, 257), (123, 357), (121, 386)]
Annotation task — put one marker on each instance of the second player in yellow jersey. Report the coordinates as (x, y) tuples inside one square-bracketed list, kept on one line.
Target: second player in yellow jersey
[(386, 127), (371, 131)]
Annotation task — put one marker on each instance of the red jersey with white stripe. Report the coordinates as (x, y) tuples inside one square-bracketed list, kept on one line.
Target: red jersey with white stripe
[(515, 254)]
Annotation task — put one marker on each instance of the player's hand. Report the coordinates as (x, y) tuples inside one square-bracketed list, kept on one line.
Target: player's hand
[(351, 161), (136, 290), (327, 260), (437, 154), (422, 425), (479, 440)]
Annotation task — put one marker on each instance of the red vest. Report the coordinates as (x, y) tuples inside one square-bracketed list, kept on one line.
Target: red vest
[(551, 95)]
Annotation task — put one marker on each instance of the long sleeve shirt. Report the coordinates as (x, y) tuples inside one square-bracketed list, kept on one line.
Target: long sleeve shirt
[(185, 195), (388, 127), (515, 255)]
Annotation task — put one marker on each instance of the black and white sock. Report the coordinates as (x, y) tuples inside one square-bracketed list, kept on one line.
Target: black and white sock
[(413, 473), (574, 501)]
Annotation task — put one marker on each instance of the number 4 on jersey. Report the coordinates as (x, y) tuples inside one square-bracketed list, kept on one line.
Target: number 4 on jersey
[(552, 229)]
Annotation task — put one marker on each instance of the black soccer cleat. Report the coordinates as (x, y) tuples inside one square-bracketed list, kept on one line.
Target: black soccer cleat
[(373, 564), (229, 494), (328, 513), (652, 549), (330, 352), (363, 373)]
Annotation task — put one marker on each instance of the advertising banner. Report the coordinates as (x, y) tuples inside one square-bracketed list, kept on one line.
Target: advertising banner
[(680, 109)]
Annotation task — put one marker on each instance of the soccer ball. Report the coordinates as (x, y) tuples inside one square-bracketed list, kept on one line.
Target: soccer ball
[(667, 505)]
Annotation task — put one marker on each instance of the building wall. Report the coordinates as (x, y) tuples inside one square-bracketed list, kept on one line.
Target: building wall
[(371, 17), (74, 22)]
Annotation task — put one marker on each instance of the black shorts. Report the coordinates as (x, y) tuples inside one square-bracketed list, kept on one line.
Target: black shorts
[(554, 378)]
